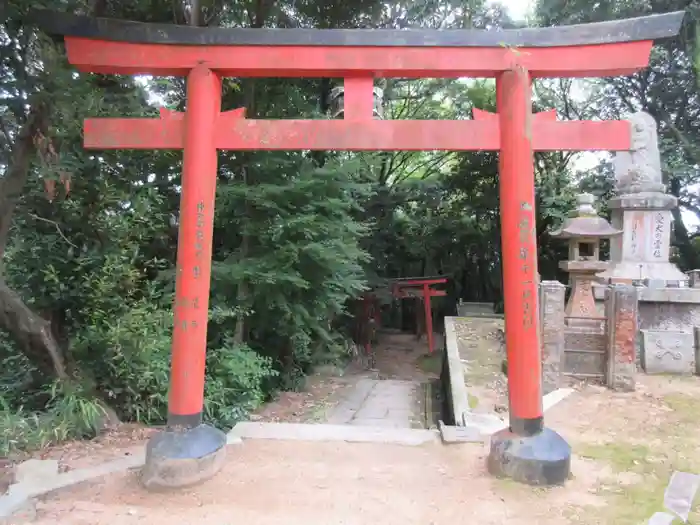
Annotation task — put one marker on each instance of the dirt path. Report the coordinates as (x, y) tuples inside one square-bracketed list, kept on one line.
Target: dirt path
[(400, 357), (626, 446), (315, 484), (390, 395)]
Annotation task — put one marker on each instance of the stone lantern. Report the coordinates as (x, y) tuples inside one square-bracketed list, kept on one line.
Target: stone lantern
[(584, 231), (337, 100)]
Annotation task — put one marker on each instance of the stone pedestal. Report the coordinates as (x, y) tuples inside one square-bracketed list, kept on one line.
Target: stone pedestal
[(581, 310), (177, 458), (642, 252)]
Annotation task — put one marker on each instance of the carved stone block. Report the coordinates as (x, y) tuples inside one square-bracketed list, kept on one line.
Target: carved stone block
[(622, 312), (585, 354), (551, 304), (668, 352)]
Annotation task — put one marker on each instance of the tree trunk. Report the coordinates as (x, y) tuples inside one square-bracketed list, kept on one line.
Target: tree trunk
[(32, 334), (12, 184)]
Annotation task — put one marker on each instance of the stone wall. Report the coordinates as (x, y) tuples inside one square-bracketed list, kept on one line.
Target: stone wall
[(621, 311), (668, 317), (671, 309)]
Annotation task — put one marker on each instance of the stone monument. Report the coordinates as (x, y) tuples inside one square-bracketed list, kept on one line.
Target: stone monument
[(669, 308), (642, 210), (584, 231)]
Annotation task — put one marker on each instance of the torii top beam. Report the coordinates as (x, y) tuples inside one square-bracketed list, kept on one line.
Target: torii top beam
[(112, 46)]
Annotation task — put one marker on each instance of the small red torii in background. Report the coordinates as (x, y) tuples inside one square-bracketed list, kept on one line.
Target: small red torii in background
[(421, 287), (400, 288)]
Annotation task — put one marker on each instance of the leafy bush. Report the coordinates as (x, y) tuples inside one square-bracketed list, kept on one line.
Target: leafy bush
[(235, 382), (69, 415), (136, 351)]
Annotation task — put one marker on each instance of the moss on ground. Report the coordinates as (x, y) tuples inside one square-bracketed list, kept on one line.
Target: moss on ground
[(651, 466), (430, 363)]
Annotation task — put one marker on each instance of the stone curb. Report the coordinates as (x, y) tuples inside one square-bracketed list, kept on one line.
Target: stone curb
[(19, 494), (485, 425), (455, 370), (345, 433)]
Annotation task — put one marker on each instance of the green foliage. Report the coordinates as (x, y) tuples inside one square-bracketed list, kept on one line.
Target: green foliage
[(235, 381), (68, 415), (668, 90), (303, 259)]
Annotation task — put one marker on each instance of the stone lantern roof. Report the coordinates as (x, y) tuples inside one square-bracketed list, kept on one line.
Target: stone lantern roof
[(585, 222)]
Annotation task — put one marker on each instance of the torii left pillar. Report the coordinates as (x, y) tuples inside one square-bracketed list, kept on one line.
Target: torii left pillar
[(187, 451)]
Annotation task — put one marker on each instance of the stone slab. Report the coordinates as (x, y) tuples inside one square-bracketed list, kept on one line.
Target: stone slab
[(552, 335), (644, 201), (622, 311), (36, 470), (585, 353), (380, 422), (451, 434), (347, 433), (669, 295), (632, 271), (372, 401), (668, 352), (345, 411)]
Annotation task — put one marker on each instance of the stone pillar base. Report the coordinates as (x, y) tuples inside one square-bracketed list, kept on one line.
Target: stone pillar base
[(181, 458), (543, 459)]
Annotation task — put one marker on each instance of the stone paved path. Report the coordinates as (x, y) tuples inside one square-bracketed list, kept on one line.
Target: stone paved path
[(380, 403)]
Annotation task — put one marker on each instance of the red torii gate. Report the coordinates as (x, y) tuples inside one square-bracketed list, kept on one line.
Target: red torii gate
[(401, 288), (188, 451), (421, 287)]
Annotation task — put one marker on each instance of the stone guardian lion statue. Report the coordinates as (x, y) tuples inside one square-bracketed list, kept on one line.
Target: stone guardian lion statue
[(639, 169)]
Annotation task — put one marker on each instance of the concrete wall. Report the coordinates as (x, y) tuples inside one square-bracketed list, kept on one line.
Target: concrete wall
[(452, 377)]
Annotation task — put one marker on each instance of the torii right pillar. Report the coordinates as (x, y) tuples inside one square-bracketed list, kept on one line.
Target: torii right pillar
[(526, 451)]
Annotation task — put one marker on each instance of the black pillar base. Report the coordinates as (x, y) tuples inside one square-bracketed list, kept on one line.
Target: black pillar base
[(540, 459), (182, 457)]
